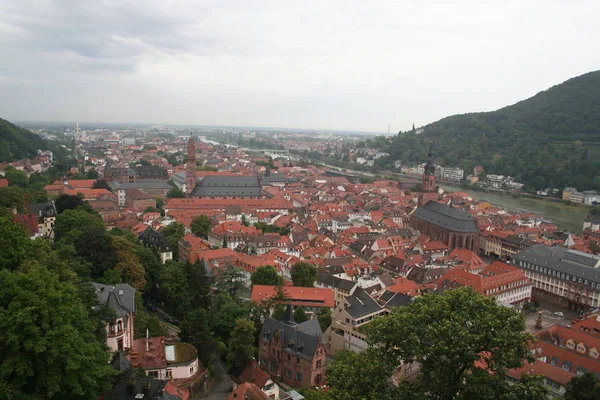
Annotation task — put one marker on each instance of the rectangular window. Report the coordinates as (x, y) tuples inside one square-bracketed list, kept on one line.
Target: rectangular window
[(318, 363), (298, 376), (288, 373), (298, 360)]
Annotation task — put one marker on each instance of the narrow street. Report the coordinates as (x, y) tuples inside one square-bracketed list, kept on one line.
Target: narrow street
[(222, 386)]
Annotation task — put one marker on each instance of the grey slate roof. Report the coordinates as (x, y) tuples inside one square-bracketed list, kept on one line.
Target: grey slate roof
[(360, 303), (151, 172), (399, 300), (46, 209), (328, 279), (560, 263), (150, 238), (238, 186), (300, 340), (449, 218), (120, 297)]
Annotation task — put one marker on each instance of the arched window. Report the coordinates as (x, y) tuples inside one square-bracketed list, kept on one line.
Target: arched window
[(566, 366)]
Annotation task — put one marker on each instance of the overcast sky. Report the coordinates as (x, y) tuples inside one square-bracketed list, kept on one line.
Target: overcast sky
[(346, 64)]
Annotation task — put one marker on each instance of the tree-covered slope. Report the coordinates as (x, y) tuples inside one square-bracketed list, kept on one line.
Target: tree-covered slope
[(17, 143), (549, 140)]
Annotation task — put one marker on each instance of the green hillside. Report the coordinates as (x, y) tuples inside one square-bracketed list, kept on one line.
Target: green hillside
[(549, 140), (17, 143)]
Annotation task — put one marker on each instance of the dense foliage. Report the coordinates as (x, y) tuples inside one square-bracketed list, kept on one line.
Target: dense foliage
[(304, 274), (17, 143), (549, 140), (464, 343)]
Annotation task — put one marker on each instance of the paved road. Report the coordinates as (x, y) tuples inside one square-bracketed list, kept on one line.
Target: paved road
[(548, 317), (222, 386)]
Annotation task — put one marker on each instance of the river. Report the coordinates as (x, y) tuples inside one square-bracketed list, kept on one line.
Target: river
[(564, 218)]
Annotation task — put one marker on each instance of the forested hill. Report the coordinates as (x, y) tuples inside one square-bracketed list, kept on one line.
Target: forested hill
[(549, 140), (17, 143)]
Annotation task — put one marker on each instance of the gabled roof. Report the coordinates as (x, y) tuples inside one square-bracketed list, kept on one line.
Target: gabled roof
[(360, 304), (119, 297), (300, 340)]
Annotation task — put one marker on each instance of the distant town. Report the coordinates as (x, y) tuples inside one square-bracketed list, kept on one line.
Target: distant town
[(318, 250)]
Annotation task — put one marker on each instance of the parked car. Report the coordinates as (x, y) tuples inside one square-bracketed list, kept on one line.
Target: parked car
[(151, 308), (559, 314)]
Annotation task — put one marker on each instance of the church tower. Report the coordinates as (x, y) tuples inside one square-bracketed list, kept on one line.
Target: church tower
[(428, 189), (190, 173)]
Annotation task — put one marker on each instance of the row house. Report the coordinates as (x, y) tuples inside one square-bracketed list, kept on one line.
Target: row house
[(566, 277), (262, 244)]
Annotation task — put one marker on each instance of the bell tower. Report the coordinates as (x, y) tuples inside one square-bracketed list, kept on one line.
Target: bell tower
[(190, 173), (428, 189)]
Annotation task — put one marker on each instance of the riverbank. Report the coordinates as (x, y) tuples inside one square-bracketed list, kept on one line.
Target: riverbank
[(564, 216), (546, 201)]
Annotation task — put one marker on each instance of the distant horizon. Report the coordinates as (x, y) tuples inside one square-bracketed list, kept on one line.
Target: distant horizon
[(337, 65), (283, 128)]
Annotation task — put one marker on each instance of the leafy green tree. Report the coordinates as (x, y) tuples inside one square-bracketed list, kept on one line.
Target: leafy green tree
[(266, 275), (195, 329), (304, 274), (67, 202), (153, 269), (231, 280), (241, 345), (224, 313), (201, 226), (71, 223), (128, 265), (145, 322), (14, 243), (49, 346), (173, 233), (175, 289), (96, 247), (300, 315), (361, 375), (92, 174), (449, 335), (200, 282), (12, 196), (175, 193), (324, 318), (16, 177), (583, 387)]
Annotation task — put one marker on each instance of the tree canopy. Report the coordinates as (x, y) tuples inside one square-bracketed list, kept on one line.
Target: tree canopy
[(266, 275), (304, 274), (175, 193), (241, 344), (549, 140), (49, 348), (583, 387), (464, 343), (201, 226), (17, 143)]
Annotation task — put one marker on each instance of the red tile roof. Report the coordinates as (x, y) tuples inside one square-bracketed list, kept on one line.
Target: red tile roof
[(247, 391), (550, 371), (173, 390), (299, 296)]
